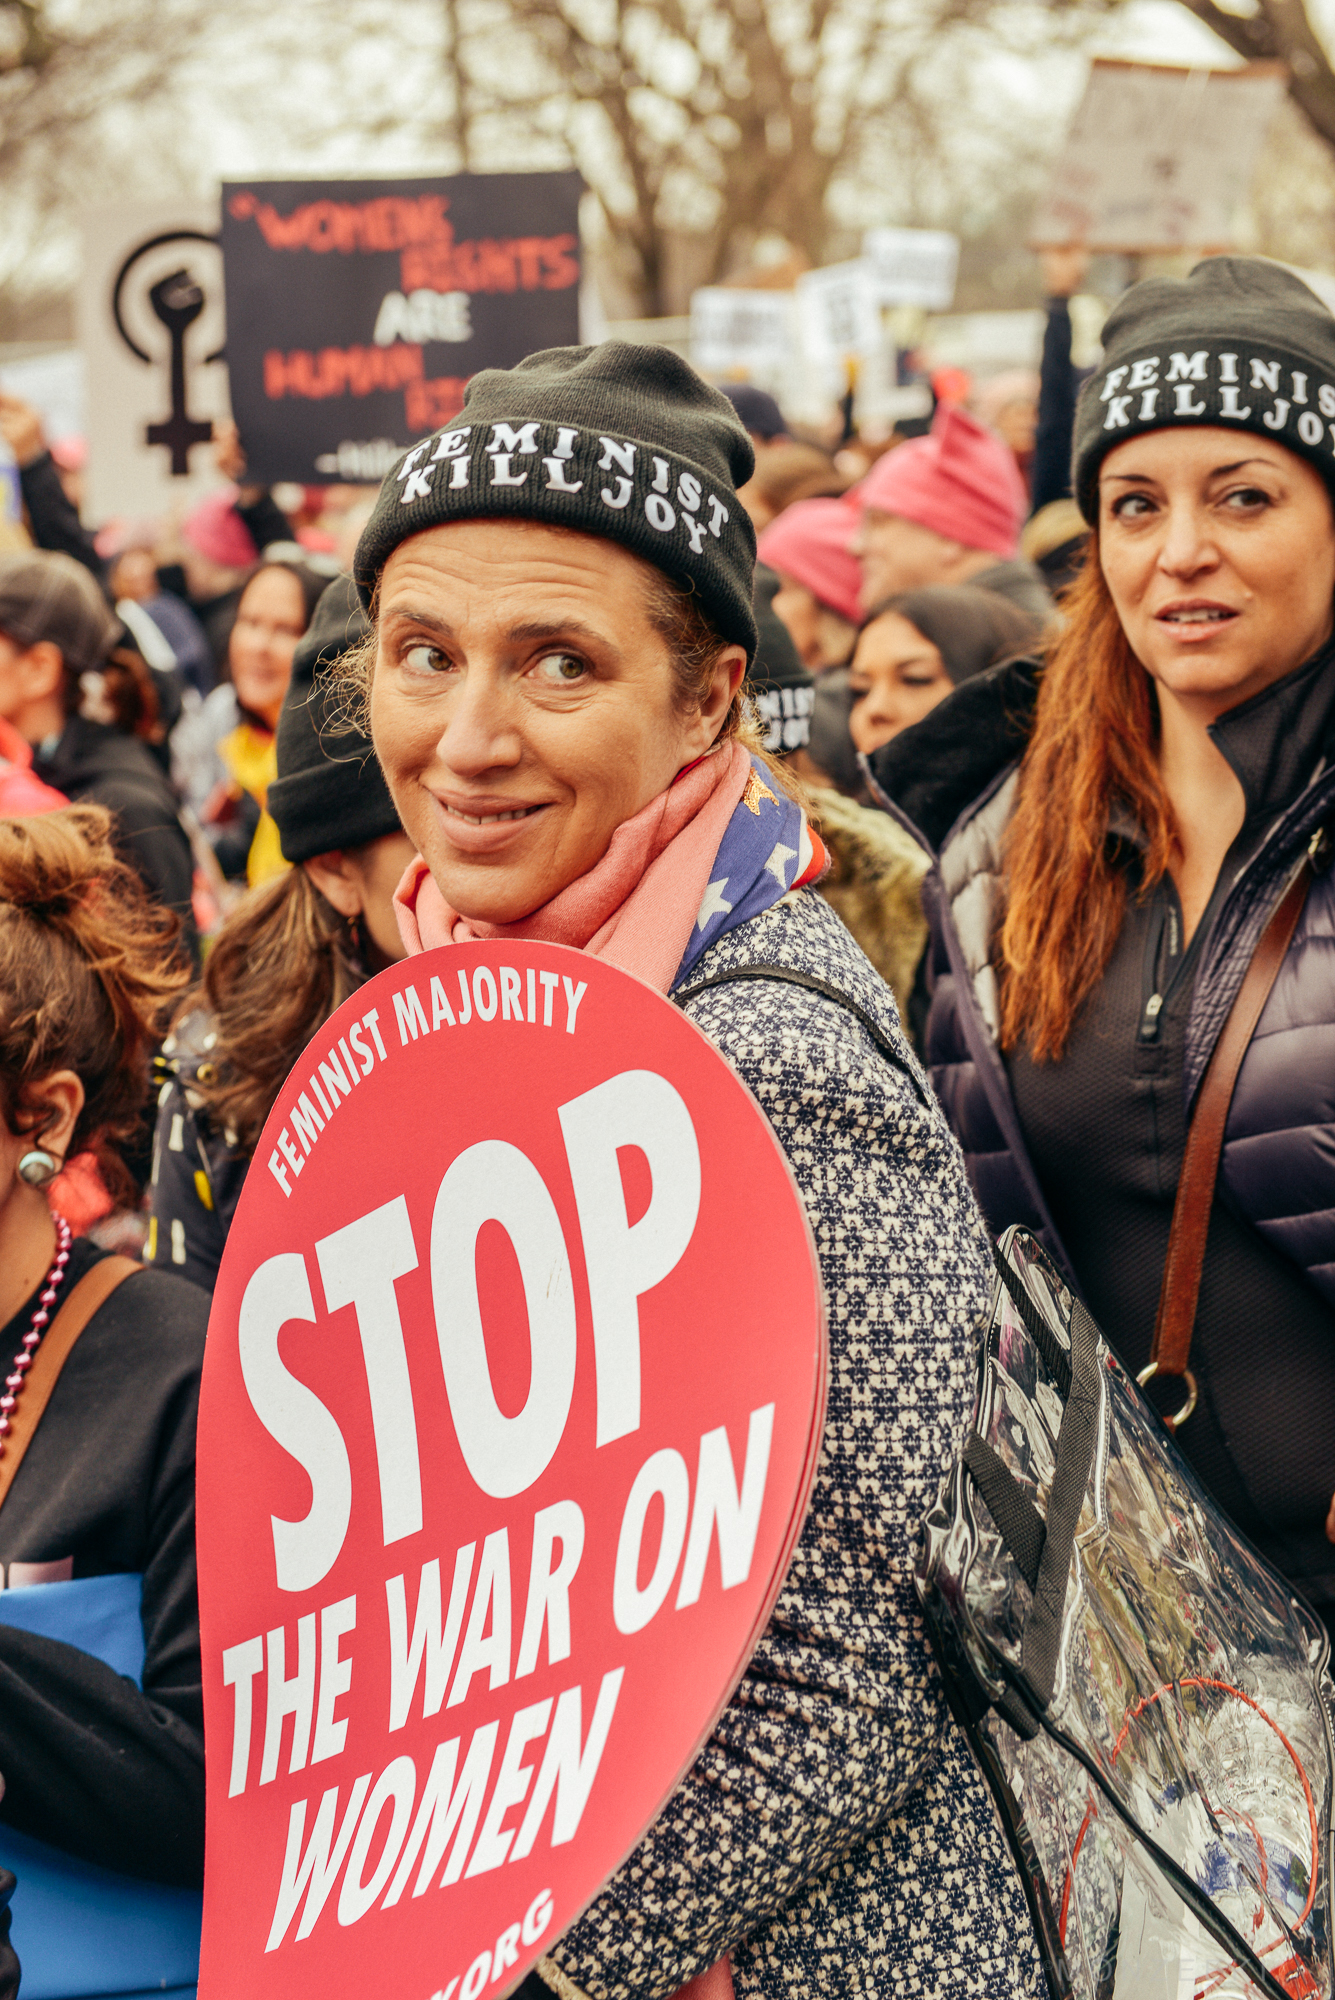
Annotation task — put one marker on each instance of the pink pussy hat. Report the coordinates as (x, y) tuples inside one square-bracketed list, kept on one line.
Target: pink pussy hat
[(961, 480), (216, 529), (809, 542)]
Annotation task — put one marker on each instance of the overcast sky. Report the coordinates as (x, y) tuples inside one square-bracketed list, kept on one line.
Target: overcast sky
[(1146, 31)]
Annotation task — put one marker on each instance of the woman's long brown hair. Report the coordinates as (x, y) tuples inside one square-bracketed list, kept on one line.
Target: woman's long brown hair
[(278, 968), (1093, 748)]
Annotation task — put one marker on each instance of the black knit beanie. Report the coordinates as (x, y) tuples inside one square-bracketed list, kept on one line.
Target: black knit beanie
[(783, 691), (620, 440), (330, 791), (1241, 343)]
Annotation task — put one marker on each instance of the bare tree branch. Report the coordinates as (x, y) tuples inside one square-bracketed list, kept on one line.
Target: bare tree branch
[(1282, 30)]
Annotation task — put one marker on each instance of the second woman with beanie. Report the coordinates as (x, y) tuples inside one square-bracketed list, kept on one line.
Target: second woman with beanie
[(562, 592), (1117, 832)]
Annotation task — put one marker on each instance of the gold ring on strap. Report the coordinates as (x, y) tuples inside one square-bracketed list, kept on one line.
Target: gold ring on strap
[(1174, 1423)]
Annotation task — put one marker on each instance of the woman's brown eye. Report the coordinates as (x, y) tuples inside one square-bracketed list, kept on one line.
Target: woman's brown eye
[(424, 660), (562, 668)]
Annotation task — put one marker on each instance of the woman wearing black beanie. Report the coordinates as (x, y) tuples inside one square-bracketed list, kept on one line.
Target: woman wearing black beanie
[(1119, 827), (284, 959), (561, 584)]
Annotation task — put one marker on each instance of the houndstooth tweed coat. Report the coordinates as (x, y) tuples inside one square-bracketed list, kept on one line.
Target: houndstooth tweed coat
[(835, 1835)]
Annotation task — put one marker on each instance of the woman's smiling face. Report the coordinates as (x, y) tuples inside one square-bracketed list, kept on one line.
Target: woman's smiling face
[(1218, 549), (524, 705)]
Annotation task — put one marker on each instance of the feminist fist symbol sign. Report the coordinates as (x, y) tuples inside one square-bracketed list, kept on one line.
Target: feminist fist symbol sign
[(177, 301)]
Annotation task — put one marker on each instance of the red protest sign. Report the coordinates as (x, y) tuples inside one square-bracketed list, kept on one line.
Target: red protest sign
[(511, 1405)]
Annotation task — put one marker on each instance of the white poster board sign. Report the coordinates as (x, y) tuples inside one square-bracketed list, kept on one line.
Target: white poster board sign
[(735, 330), (54, 384), (985, 343), (840, 312), (913, 267), (150, 324), (1159, 158)]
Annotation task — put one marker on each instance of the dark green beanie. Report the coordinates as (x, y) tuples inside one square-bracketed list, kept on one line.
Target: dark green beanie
[(1241, 343), (330, 791), (619, 440)]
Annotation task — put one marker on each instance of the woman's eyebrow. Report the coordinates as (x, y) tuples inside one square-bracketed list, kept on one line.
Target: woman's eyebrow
[(407, 614), (1216, 472), (563, 628), (539, 629)]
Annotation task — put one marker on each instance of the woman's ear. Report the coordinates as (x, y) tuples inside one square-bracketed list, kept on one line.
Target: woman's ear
[(729, 673), (338, 880), (50, 1110)]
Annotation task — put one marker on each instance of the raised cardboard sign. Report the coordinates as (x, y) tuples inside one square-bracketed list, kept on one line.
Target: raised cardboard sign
[(512, 1400), (736, 330), (1159, 158), (839, 311), (913, 267), (358, 309)]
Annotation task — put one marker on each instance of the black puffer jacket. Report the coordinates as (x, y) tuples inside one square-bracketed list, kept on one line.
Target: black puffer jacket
[(953, 780)]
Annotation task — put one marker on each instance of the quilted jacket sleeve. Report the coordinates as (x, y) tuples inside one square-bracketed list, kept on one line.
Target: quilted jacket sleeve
[(834, 1835)]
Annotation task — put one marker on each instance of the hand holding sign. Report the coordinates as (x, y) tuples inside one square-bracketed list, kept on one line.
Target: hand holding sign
[(511, 1407)]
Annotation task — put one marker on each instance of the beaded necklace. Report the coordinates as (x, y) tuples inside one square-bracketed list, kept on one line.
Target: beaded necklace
[(18, 1374)]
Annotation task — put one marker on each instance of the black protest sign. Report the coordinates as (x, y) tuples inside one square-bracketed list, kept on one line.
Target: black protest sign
[(357, 310)]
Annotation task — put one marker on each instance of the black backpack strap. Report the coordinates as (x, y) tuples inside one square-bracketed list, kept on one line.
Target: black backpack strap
[(1019, 1522), (788, 975), (1077, 1440), (1055, 1358)]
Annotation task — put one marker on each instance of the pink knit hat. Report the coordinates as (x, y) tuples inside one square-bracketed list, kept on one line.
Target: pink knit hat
[(809, 542), (961, 481), (216, 529)]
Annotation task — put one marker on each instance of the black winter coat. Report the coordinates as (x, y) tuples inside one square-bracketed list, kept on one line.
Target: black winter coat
[(952, 780)]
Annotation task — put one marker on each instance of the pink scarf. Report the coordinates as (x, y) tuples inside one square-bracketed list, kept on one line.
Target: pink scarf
[(637, 906)]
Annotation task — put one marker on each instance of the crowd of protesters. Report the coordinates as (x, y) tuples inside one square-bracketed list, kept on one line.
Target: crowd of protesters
[(1045, 698)]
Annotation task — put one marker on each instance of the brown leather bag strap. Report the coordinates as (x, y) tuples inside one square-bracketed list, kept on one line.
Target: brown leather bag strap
[(1181, 1286), (49, 1357)]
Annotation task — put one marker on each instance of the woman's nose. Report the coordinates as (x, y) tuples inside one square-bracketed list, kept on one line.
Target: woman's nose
[(1188, 545), (479, 732), (878, 719)]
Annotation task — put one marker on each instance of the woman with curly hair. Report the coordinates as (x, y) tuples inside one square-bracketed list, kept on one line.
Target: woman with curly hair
[(563, 626), (101, 1743)]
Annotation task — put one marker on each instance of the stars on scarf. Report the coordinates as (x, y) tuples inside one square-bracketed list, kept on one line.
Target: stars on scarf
[(776, 865), (756, 790), (712, 904)]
